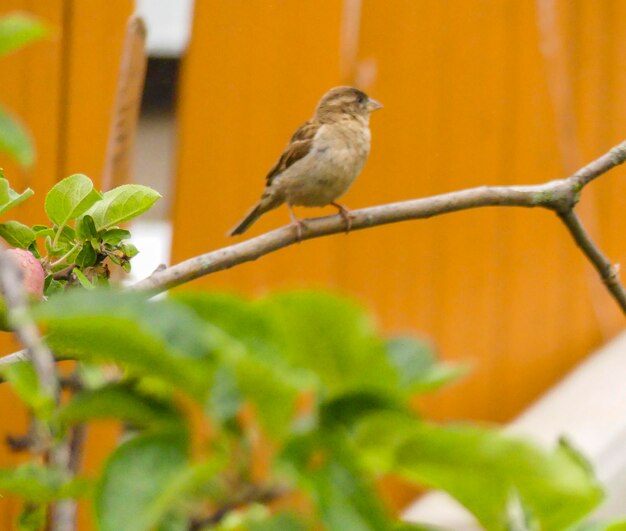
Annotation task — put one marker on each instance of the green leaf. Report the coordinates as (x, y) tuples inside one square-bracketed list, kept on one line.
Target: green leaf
[(406, 526), (119, 401), (70, 198), (18, 30), (225, 400), (84, 281), (157, 338), (279, 522), (250, 360), (25, 383), (326, 466), (10, 198), (122, 204), (482, 468), (272, 391), (129, 250), (417, 367), (32, 518), (185, 485), (40, 484), (138, 471), (614, 525), (52, 287), (239, 319), (351, 407), (114, 236), (34, 250), (41, 232), (86, 229), (4, 318), (17, 234), (15, 140), (48, 243), (87, 257), (332, 337)]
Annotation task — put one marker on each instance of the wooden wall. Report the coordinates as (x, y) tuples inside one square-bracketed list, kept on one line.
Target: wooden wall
[(475, 92), (62, 88)]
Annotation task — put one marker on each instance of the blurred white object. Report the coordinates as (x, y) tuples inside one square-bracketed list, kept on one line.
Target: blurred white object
[(153, 239), (169, 25), (588, 407)]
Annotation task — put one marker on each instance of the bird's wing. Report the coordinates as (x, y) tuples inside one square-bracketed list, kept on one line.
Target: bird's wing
[(298, 147)]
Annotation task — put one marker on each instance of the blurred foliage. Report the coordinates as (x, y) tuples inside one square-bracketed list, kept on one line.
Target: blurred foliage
[(306, 374)]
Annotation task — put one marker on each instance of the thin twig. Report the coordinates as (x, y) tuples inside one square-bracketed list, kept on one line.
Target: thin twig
[(252, 494), (614, 157), (11, 285), (63, 514), (15, 357), (77, 441), (609, 273)]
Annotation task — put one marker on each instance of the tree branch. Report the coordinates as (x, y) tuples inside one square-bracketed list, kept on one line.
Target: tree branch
[(608, 272), (560, 196), (251, 494), (36, 351)]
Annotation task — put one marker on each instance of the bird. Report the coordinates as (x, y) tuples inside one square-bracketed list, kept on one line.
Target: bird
[(322, 159)]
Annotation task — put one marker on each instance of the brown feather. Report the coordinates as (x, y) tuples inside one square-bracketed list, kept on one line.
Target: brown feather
[(298, 147)]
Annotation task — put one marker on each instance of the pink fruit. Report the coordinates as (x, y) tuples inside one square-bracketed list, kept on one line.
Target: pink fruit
[(34, 274)]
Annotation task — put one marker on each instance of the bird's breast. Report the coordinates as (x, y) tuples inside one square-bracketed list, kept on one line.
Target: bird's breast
[(335, 160)]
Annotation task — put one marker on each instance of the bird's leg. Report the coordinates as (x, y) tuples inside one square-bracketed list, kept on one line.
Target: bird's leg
[(346, 214), (296, 222)]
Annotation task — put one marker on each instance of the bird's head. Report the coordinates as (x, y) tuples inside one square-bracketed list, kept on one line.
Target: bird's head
[(341, 102)]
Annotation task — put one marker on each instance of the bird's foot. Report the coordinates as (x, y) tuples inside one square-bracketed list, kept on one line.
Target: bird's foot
[(297, 223), (346, 214)]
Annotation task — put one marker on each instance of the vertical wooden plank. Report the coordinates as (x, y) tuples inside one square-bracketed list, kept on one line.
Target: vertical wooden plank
[(532, 237), (33, 93), (612, 187), (427, 85), (94, 46)]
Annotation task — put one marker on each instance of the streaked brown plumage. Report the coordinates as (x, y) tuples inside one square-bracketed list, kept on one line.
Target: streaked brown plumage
[(322, 159)]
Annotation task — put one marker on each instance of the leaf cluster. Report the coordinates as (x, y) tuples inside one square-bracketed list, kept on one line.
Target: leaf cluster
[(84, 229), (205, 378)]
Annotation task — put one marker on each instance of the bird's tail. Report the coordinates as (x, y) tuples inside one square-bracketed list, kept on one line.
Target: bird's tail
[(255, 213)]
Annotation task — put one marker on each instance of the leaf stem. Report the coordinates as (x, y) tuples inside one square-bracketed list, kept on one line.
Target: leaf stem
[(58, 235), (64, 257)]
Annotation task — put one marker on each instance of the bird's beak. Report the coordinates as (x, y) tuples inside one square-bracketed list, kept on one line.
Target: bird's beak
[(373, 105)]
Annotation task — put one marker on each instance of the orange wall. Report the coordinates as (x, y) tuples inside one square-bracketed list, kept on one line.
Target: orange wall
[(470, 99)]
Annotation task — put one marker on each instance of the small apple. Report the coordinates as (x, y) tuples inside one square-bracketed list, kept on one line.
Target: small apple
[(34, 275)]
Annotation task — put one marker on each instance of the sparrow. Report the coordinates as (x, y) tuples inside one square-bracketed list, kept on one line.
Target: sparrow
[(322, 159)]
